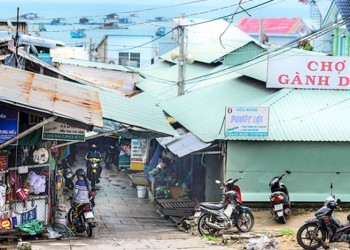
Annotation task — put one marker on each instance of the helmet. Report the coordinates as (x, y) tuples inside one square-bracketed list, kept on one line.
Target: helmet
[(80, 172), (93, 146)]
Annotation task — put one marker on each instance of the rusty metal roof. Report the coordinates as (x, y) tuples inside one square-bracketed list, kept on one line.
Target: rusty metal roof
[(120, 82), (50, 95)]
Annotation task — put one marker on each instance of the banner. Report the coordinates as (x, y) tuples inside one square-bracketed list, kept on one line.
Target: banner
[(8, 124)]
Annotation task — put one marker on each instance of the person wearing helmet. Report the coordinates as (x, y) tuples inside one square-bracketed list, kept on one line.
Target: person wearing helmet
[(94, 153), (81, 193)]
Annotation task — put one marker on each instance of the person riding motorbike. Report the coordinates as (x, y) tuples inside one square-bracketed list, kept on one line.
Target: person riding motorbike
[(81, 193), (94, 153)]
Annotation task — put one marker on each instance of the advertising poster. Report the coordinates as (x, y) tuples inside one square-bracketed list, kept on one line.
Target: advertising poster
[(139, 150), (8, 124)]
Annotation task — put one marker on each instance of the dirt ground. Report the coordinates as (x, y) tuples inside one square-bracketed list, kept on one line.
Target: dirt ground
[(265, 225)]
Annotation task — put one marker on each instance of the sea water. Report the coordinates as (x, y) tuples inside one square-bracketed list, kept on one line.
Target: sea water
[(142, 24)]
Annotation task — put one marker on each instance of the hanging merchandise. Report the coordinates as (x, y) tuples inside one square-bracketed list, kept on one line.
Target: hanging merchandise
[(3, 160), (37, 182), (2, 196), (41, 156), (21, 193)]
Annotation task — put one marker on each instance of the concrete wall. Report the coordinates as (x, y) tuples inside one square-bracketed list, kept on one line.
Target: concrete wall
[(130, 44), (314, 165)]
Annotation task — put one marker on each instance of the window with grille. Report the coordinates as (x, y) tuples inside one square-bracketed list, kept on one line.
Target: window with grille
[(130, 59)]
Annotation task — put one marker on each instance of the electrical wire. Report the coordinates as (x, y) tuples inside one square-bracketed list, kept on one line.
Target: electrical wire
[(338, 23)]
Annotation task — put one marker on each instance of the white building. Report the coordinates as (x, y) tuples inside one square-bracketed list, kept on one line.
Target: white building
[(135, 51)]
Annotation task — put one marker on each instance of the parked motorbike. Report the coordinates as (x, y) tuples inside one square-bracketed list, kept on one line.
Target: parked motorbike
[(93, 171), (112, 156), (225, 215), (68, 174), (279, 199), (84, 222), (314, 232)]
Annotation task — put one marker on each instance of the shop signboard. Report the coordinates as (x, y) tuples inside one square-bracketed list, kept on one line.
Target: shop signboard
[(8, 124), (61, 131), (309, 72), (139, 150), (246, 121)]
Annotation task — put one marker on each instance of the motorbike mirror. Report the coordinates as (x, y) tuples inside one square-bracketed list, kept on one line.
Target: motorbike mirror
[(338, 201), (217, 181), (288, 172)]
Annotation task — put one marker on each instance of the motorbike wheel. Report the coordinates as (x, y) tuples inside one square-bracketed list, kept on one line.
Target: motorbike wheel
[(70, 216), (245, 221), (203, 228), (306, 236), (282, 220), (93, 182), (88, 229)]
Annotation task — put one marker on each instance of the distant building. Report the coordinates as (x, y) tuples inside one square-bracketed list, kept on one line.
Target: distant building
[(126, 50), (274, 31)]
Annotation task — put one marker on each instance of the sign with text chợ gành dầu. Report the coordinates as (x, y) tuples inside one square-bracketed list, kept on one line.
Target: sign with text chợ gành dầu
[(61, 131), (309, 72), (8, 124), (246, 121)]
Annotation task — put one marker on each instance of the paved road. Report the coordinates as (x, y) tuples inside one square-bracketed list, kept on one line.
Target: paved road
[(127, 222)]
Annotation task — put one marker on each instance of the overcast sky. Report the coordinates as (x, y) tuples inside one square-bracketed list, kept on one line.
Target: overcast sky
[(159, 2)]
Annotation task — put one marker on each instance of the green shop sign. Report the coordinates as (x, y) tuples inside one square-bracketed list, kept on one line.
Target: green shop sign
[(61, 131)]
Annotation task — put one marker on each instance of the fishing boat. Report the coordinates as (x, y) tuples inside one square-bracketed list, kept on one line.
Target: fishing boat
[(112, 26), (78, 33), (160, 31), (58, 21), (30, 16)]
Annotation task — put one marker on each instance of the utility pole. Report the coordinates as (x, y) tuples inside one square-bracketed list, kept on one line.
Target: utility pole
[(91, 48), (181, 76), (17, 42)]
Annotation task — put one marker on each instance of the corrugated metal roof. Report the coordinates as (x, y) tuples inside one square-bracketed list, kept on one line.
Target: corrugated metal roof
[(36, 60), (209, 52), (210, 41), (140, 111), (183, 145), (257, 68), (295, 114), (116, 81), (202, 112), (50, 95), (91, 64), (272, 25), (344, 9), (162, 82)]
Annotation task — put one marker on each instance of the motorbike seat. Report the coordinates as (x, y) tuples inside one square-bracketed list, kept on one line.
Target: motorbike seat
[(212, 206)]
